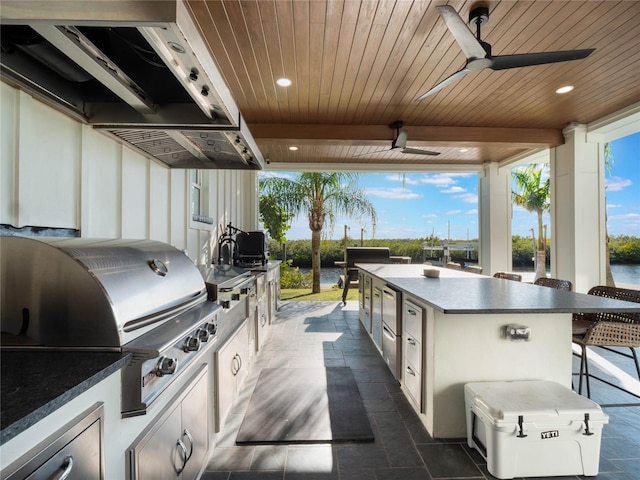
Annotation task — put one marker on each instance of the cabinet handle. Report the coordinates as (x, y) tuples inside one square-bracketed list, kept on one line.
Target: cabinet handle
[(388, 333), (67, 465), (264, 320), (411, 341), (411, 312), (191, 442), (184, 456), (236, 364), (410, 371)]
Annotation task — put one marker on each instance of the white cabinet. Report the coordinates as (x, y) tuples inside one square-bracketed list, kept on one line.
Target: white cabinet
[(413, 352), (232, 366), (176, 445)]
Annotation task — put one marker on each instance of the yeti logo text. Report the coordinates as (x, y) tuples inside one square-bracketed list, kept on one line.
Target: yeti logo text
[(549, 434)]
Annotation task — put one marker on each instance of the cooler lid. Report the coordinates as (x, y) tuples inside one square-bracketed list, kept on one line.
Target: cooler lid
[(533, 399)]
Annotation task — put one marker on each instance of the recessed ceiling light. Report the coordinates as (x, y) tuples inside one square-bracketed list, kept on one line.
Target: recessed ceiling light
[(462, 150), (293, 148), (284, 82), (565, 89)]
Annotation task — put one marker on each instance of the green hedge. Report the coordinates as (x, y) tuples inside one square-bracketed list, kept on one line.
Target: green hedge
[(624, 249)]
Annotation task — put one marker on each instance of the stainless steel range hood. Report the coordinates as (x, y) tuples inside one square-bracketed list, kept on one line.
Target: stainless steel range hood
[(137, 70)]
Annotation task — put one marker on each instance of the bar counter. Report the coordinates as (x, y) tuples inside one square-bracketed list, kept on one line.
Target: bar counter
[(464, 338)]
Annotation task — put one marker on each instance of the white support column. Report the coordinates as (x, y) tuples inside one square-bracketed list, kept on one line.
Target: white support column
[(495, 219), (578, 210)]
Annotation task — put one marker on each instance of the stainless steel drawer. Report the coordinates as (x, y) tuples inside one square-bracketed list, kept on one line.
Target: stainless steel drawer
[(412, 317), (413, 352), (75, 452), (413, 385)]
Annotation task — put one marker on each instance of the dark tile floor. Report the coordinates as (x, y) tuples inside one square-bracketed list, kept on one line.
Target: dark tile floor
[(327, 334)]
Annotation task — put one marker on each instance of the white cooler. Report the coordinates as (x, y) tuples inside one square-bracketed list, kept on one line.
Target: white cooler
[(533, 428)]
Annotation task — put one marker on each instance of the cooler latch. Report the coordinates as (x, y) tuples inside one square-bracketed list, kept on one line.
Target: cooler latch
[(586, 425), (521, 433)]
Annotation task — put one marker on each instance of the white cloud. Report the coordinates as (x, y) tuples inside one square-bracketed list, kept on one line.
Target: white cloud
[(454, 189), (453, 212), (473, 211), (439, 179), (615, 184), (614, 205), (467, 198), (626, 216), (429, 215), (393, 193), (399, 178), (264, 174)]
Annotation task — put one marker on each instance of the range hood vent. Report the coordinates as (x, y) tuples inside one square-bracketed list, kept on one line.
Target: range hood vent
[(137, 70)]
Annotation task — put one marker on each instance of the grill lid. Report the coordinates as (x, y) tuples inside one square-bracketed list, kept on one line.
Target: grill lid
[(92, 292)]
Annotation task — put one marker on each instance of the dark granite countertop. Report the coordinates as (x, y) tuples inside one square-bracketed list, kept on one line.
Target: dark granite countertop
[(35, 383), (456, 292)]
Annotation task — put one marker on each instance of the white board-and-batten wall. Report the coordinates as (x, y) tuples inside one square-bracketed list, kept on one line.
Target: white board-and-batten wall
[(57, 172)]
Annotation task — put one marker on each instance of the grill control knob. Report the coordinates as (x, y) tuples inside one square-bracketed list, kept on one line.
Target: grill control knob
[(212, 328), (235, 296), (191, 344), (166, 366), (225, 303), (244, 291), (202, 334)]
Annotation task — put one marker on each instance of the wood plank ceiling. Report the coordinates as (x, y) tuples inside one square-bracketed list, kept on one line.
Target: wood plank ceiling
[(358, 65)]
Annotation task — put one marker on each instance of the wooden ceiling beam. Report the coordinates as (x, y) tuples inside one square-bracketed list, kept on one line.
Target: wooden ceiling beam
[(433, 135)]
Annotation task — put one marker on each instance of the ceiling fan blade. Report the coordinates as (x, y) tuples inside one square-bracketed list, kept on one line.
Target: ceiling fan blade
[(418, 151), (452, 78), (401, 139), (467, 41), (370, 153), (503, 62)]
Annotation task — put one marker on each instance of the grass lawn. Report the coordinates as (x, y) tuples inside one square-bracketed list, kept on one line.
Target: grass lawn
[(329, 294)]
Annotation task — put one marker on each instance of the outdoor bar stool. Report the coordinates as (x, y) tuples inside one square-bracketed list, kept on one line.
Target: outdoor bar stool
[(516, 277), (554, 283), (453, 266), (473, 269), (607, 330)]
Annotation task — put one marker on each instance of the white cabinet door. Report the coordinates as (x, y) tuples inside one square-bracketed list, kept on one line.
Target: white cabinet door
[(195, 433), (176, 445), (232, 363)]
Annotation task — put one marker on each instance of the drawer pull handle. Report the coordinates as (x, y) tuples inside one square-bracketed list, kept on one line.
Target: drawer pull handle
[(410, 371), (411, 341), (388, 334), (190, 437), (184, 456), (67, 466), (411, 312)]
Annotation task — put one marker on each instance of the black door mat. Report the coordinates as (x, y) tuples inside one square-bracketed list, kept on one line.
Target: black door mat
[(305, 405)]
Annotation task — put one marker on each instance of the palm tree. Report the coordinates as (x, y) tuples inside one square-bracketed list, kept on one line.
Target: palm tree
[(532, 183), (321, 196)]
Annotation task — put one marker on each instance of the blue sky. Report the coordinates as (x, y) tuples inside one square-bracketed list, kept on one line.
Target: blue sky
[(447, 203)]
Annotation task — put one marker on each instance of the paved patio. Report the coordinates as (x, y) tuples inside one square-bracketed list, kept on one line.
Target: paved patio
[(327, 334)]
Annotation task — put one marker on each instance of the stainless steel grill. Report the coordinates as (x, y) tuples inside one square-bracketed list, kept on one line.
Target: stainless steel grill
[(137, 296)]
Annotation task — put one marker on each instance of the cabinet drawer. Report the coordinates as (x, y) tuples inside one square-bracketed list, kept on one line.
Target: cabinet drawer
[(77, 449), (412, 318), (413, 352), (413, 385)]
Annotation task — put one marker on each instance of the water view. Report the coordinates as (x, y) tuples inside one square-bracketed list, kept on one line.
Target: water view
[(622, 274)]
